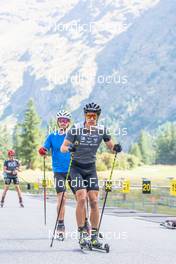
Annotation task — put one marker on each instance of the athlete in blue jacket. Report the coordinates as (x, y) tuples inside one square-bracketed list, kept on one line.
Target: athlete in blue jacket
[(60, 162)]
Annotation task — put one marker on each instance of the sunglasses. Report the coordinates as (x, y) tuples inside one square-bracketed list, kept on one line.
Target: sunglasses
[(63, 120), (91, 116)]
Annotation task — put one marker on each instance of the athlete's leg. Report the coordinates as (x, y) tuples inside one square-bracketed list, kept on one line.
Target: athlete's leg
[(94, 214), (17, 187), (6, 187), (61, 194), (74, 193), (62, 211), (80, 208), (93, 191), (85, 210)]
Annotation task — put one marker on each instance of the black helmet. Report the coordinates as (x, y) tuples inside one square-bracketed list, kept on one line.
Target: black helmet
[(92, 107)]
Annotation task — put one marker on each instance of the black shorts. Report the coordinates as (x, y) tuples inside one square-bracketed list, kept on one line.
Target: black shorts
[(59, 179), (84, 176), (8, 180)]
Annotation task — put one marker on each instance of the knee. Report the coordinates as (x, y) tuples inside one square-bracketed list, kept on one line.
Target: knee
[(94, 203), (61, 198), (81, 198)]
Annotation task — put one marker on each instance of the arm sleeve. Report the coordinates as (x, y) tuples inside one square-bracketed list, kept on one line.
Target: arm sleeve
[(71, 134), (106, 135), (5, 163), (47, 143)]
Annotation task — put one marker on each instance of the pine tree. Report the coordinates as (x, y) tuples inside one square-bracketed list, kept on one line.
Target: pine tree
[(17, 140), (5, 142), (30, 137), (146, 147), (135, 150), (166, 144)]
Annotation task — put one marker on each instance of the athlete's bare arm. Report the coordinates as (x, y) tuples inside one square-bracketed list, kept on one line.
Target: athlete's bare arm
[(110, 145), (6, 170)]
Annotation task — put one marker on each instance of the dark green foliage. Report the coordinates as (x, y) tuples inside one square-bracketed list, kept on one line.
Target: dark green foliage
[(30, 137), (135, 150), (5, 144), (166, 144)]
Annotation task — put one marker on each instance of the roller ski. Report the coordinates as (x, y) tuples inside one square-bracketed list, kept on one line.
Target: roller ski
[(96, 244), (60, 231), (21, 202), (84, 240), (169, 224)]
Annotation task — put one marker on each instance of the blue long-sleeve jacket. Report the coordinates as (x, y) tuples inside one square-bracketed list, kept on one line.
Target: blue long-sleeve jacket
[(60, 161)]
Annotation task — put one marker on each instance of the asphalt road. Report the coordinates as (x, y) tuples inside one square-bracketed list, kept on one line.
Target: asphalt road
[(24, 238)]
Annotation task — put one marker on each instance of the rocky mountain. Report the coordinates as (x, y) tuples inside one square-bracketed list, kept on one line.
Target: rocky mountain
[(119, 53)]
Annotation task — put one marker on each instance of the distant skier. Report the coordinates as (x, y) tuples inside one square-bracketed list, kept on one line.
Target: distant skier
[(11, 168), (170, 224)]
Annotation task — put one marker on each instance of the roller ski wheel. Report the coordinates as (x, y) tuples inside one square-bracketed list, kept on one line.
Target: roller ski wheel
[(107, 248)]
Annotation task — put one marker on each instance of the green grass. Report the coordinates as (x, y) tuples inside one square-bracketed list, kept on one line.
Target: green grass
[(159, 176)]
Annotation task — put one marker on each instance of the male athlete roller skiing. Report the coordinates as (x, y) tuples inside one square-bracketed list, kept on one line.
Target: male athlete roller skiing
[(11, 168), (60, 165), (83, 173)]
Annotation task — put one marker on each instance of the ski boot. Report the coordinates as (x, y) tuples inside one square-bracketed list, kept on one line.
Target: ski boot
[(84, 240), (21, 202), (60, 231), (96, 244), (2, 202)]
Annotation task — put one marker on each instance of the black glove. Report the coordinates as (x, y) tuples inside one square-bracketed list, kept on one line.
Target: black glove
[(72, 148), (117, 148)]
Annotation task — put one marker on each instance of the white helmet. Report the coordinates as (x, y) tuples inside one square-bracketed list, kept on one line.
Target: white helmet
[(64, 114)]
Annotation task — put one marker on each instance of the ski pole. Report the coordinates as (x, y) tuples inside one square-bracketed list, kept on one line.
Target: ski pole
[(105, 199), (87, 208), (44, 189), (60, 204)]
